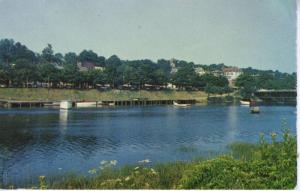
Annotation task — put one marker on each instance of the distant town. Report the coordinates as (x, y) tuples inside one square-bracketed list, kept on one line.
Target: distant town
[(21, 67)]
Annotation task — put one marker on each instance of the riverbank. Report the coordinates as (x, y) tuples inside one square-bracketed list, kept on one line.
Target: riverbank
[(34, 94), (247, 166)]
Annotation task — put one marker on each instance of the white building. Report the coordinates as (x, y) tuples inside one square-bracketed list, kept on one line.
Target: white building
[(99, 68), (173, 66), (85, 66), (231, 73), (200, 71), (171, 86)]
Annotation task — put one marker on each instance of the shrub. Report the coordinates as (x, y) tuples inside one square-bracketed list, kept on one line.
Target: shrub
[(270, 166)]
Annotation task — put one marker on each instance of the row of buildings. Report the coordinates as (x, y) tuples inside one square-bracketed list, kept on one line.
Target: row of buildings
[(231, 73)]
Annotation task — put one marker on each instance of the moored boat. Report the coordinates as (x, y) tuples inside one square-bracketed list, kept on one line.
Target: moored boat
[(245, 102), (255, 110), (180, 104), (86, 104), (111, 104)]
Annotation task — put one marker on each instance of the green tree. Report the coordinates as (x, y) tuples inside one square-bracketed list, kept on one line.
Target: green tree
[(111, 70), (47, 54), (70, 58), (70, 74), (25, 71), (6, 50), (90, 56), (184, 76), (247, 85), (215, 84), (49, 74)]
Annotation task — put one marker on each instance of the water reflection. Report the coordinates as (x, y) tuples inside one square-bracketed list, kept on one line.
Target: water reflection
[(43, 140), (232, 123), (63, 120)]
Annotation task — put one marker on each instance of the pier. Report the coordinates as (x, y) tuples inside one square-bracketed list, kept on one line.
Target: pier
[(21, 104), (132, 102), (277, 96)]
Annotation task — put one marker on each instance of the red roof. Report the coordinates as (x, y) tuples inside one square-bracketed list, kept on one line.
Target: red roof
[(232, 69), (88, 65)]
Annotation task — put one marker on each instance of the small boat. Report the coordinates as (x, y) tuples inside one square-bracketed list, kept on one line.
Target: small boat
[(65, 105), (180, 104), (255, 110), (52, 104), (86, 104), (245, 102), (111, 104)]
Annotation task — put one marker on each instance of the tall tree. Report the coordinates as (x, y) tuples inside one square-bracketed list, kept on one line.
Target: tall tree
[(88, 55), (247, 85), (47, 54), (111, 70), (70, 58), (184, 76)]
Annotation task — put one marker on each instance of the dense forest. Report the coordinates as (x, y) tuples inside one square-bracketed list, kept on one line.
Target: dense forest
[(22, 67)]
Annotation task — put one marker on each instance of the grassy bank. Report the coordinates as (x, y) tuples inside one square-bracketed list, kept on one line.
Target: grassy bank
[(65, 94), (247, 166)]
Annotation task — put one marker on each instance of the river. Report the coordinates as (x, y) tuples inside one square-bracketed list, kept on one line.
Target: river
[(45, 141)]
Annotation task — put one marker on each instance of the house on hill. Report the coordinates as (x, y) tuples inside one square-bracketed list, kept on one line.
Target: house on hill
[(231, 73)]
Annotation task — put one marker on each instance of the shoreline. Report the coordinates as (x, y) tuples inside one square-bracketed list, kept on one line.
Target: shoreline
[(242, 162), (49, 96), (37, 94)]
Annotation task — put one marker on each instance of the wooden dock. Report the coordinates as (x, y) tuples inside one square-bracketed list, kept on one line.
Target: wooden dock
[(21, 104), (132, 102)]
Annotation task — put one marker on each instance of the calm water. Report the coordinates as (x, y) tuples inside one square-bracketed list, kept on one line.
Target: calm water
[(49, 141)]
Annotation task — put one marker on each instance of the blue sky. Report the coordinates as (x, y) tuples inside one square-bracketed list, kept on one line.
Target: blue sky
[(256, 33)]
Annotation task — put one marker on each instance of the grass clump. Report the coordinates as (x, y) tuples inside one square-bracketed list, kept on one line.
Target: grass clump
[(263, 166)]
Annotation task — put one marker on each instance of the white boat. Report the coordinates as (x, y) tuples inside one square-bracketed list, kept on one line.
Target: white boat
[(245, 102), (180, 104), (111, 104), (255, 109), (86, 104), (65, 105)]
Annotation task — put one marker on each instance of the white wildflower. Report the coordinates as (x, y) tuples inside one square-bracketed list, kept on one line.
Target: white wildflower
[(127, 178), (103, 162), (113, 162), (93, 171), (153, 171)]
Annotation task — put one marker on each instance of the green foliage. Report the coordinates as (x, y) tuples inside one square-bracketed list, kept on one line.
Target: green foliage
[(249, 82), (42, 180), (184, 76), (71, 58), (247, 85), (47, 54), (90, 56), (263, 166), (215, 84)]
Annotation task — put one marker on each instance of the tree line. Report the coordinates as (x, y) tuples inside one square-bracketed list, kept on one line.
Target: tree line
[(22, 67), (252, 80)]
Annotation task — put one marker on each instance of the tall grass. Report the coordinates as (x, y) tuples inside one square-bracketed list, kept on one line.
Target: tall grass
[(95, 95)]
